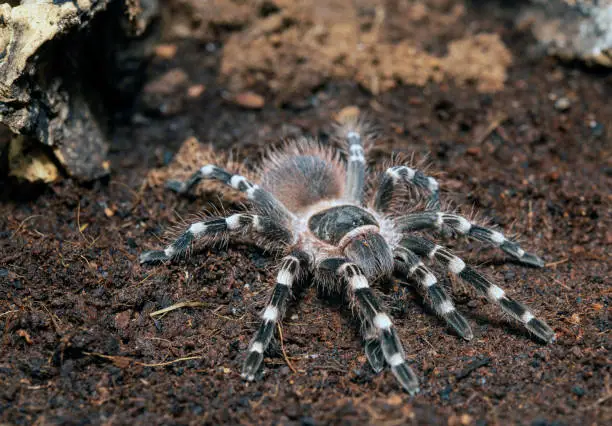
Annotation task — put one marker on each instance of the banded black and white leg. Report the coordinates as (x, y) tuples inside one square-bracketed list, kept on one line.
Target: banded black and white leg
[(213, 229), (291, 269), (377, 322), (397, 176), (410, 264), (356, 167), (264, 200), (483, 285), (461, 225)]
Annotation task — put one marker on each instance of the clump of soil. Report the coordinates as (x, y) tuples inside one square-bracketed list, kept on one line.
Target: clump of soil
[(190, 157), (304, 44), (286, 48)]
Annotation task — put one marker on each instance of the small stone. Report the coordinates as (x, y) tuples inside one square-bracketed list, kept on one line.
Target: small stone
[(394, 400), (460, 420), (165, 51), (196, 90), (562, 104), (167, 83), (250, 100)]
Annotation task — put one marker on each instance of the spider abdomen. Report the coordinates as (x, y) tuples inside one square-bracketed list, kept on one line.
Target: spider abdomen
[(303, 174), (333, 224)]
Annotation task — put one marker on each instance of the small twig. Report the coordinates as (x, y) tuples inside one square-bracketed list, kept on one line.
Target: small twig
[(473, 366), (24, 221), (146, 278), (280, 335), (558, 262), (86, 261), (78, 218), (499, 119), (137, 195), (530, 217), (124, 361), (90, 241), (561, 284), (430, 345), (54, 321), (598, 402), (177, 306), (161, 364), (228, 318)]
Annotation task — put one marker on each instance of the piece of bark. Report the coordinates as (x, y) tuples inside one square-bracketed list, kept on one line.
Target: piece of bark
[(65, 67)]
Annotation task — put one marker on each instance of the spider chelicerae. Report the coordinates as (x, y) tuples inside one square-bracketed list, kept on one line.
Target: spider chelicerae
[(310, 205)]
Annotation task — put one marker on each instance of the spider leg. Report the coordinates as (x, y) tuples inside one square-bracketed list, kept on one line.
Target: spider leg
[(409, 263), (395, 176), (356, 167), (264, 200), (259, 226), (376, 321), (461, 225), (292, 268), (373, 351), (484, 286)]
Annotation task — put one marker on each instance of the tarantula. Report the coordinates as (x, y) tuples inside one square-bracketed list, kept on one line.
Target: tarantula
[(310, 205)]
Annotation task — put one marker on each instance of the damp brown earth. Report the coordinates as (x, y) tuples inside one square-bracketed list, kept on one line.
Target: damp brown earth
[(78, 343)]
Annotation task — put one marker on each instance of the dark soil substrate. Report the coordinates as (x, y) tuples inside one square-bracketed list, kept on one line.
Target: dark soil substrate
[(78, 345)]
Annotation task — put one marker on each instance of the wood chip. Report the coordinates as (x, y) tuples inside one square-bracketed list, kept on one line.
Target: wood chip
[(165, 51), (250, 100)]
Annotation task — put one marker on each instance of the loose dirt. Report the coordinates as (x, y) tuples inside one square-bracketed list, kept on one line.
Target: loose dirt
[(78, 344)]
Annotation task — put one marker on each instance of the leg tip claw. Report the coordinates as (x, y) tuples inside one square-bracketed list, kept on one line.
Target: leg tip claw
[(532, 260), (247, 377), (251, 365), (375, 355), (407, 378), (459, 324), (541, 330)]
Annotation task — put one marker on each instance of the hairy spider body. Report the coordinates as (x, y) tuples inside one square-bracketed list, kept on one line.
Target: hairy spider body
[(310, 205)]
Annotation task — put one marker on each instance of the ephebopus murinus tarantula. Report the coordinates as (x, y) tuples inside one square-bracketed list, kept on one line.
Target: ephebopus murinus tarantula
[(309, 204)]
